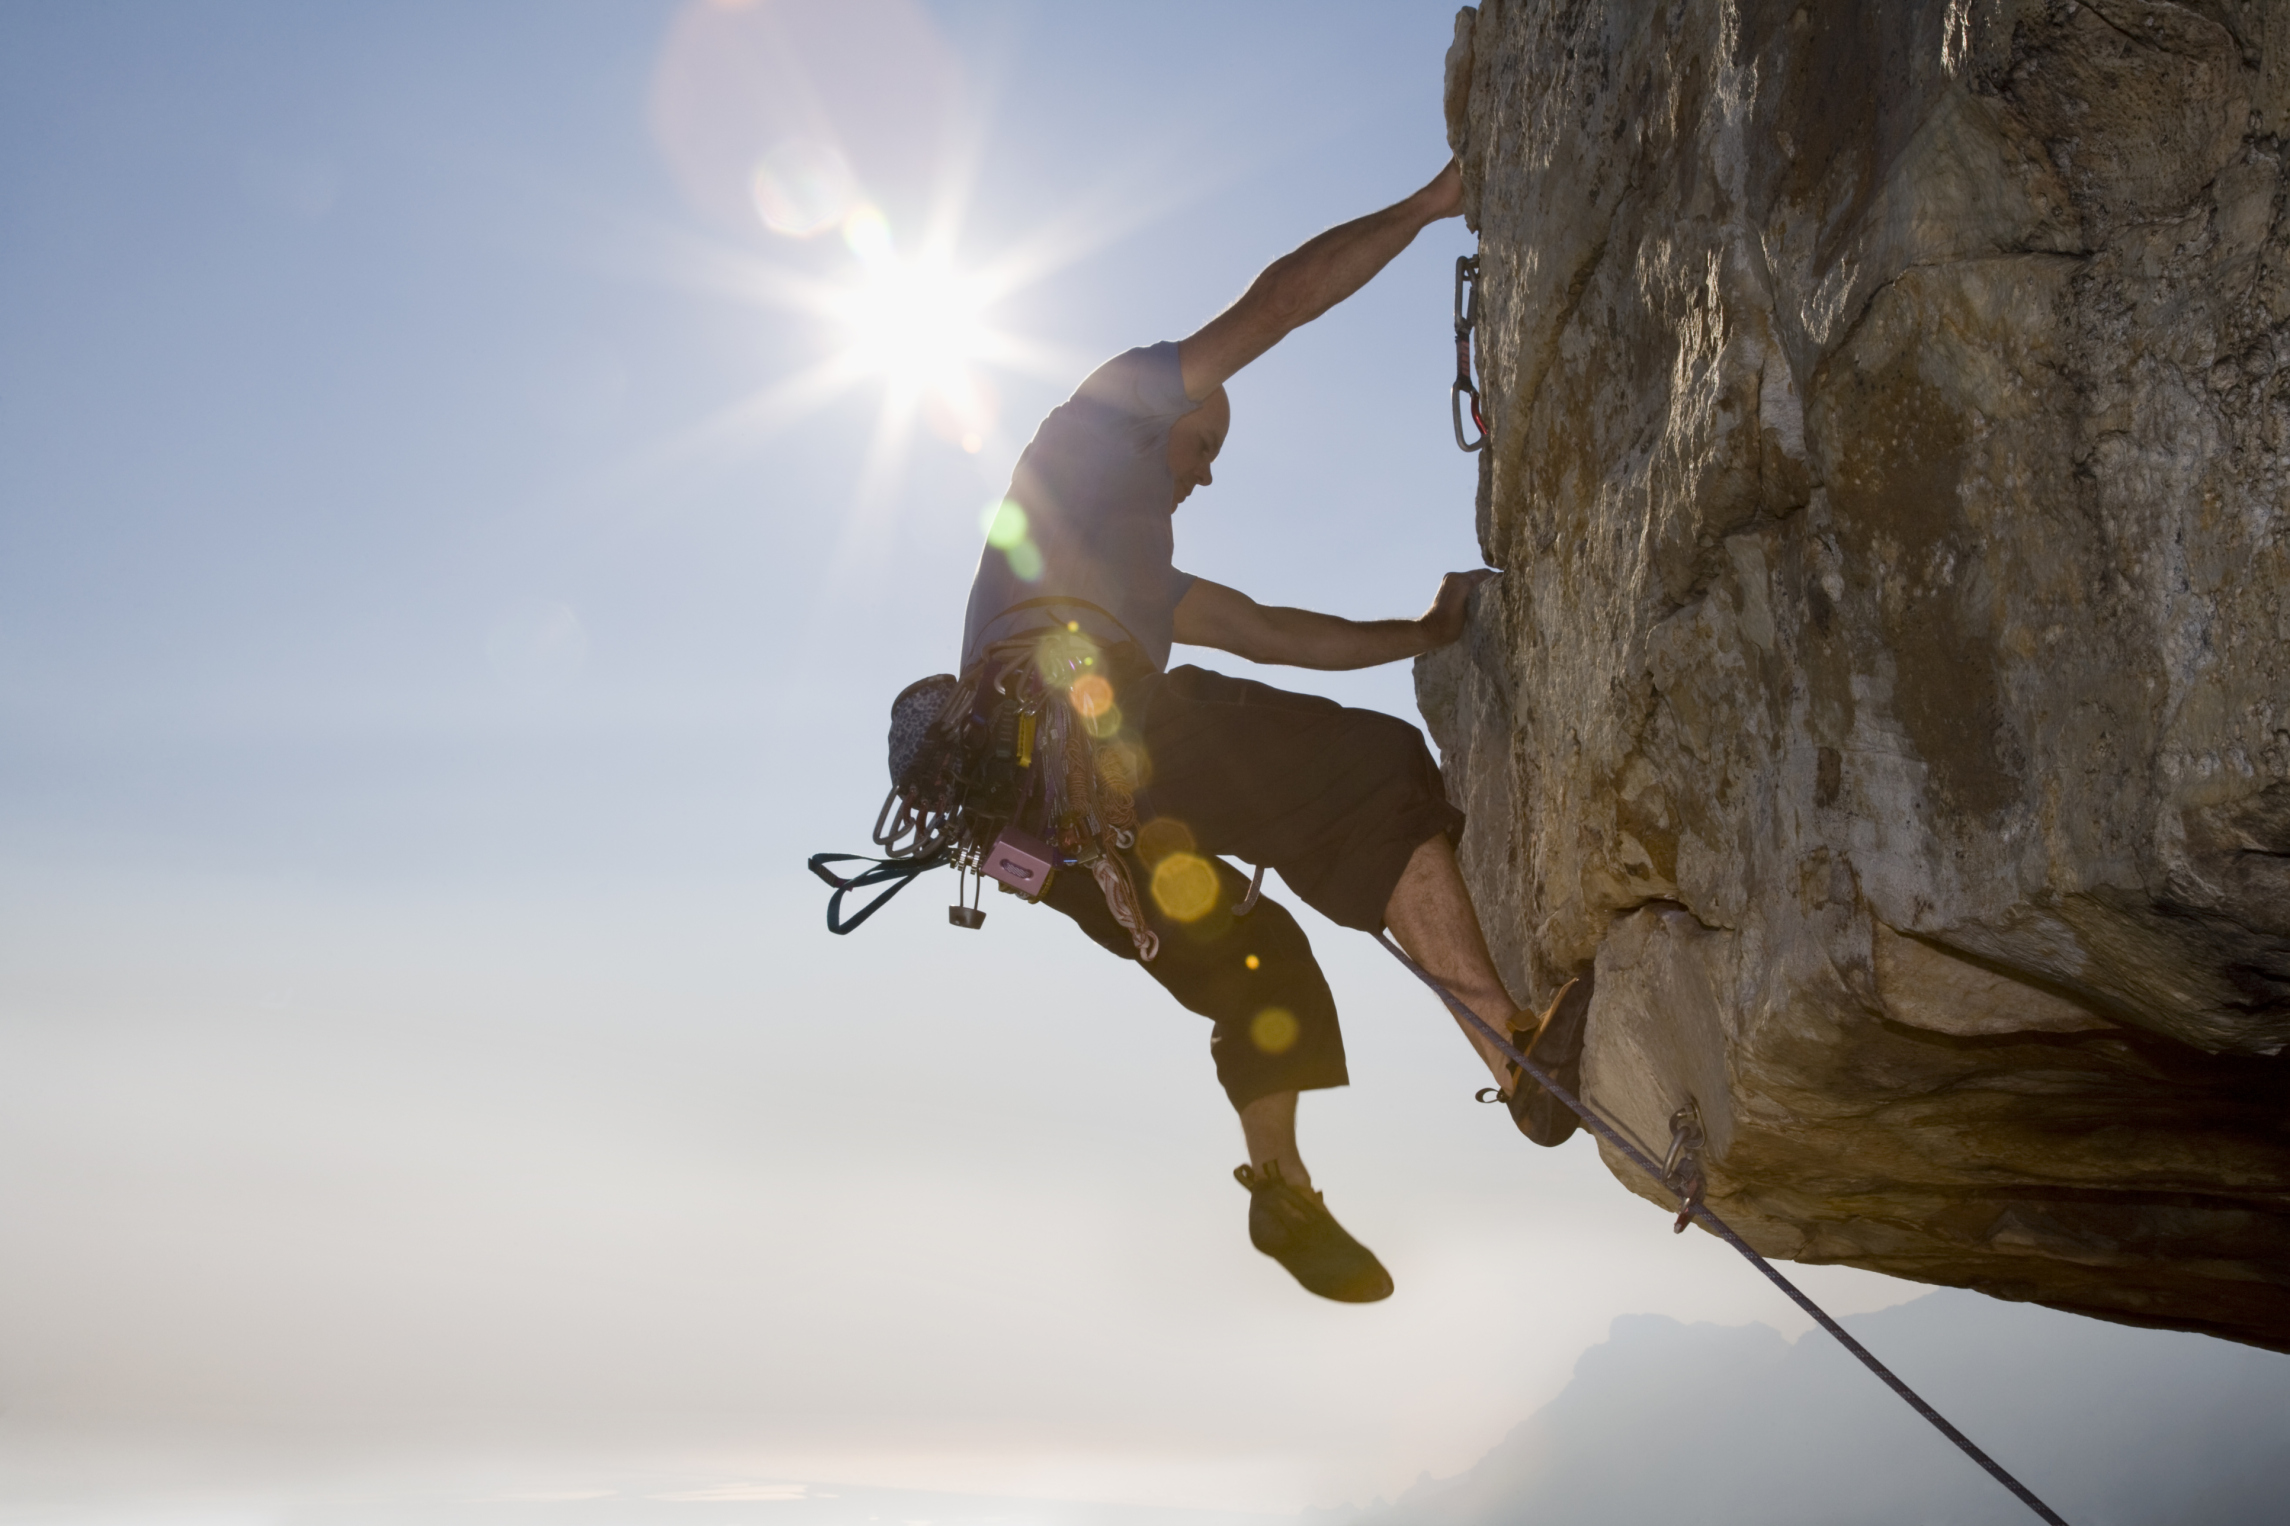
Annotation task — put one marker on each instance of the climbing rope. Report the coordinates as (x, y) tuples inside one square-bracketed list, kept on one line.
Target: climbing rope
[(1693, 1207)]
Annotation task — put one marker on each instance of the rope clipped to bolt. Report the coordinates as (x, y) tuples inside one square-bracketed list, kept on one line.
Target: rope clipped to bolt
[(1692, 1207)]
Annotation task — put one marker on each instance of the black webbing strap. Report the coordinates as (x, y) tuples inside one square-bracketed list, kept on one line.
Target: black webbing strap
[(1725, 1232), (897, 873), (1059, 600)]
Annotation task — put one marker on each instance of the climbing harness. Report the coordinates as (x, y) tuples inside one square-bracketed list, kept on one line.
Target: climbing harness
[(1466, 319), (1010, 773), (1685, 1162)]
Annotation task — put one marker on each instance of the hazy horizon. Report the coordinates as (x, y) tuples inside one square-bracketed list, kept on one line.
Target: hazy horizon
[(2114, 1426)]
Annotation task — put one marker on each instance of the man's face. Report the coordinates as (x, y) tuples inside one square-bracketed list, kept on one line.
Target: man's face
[(1194, 441)]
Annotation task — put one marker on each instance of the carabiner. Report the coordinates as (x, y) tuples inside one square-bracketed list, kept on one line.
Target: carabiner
[(1682, 1170), (1466, 319)]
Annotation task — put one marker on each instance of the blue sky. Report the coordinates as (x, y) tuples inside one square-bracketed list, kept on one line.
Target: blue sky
[(425, 664)]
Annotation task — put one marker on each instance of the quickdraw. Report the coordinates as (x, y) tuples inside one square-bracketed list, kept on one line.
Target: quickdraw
[(1682, 1168), (1466, 320)]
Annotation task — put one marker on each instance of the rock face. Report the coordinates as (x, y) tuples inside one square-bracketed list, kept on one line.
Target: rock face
[(1890, 685)]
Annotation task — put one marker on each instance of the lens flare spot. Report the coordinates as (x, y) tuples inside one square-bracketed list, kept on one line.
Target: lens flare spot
[(1004, 523), (1185, 886), (1123, 767), (802, 187), (867, 234), (1162, 836), (1091, 696), (1274, 1030), (1025, 561), (1252, 961), (735, 82), (960, 406), (1057, 653)]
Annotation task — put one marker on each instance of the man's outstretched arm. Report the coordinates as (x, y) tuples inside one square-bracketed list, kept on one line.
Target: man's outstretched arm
[(1211, 614), (1300, 286)]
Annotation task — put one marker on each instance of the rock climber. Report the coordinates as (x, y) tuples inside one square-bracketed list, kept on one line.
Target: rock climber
[(1347, 804)]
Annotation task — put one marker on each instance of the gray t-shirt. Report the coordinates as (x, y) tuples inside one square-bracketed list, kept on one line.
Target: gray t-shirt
[(1095, 491)]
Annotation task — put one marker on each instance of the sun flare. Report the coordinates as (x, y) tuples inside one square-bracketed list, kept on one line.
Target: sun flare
[(918, 324), (915, 323), (812, 119)]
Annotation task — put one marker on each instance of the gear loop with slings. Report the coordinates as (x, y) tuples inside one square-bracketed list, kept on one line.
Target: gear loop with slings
[(1007, 748)]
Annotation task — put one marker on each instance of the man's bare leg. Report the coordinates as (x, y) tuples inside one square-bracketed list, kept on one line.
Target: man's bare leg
[(1294, 1227), (1431, 915), (1268, 1125)]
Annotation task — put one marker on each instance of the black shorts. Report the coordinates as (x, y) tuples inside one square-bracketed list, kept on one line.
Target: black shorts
[(1336, 799)]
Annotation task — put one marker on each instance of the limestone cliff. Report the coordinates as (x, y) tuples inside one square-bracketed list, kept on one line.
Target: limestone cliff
[(1890, 684)]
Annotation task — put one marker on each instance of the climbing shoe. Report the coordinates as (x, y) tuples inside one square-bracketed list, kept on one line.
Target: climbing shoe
[(1557, 1048), (1292, 1225)]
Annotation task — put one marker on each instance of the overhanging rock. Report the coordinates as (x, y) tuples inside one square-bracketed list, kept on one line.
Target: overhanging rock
[(1889, 687)]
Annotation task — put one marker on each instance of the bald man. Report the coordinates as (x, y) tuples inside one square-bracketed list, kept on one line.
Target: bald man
[(1347, 804)]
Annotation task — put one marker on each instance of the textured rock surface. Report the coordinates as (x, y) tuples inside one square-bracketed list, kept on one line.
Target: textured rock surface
[(1890, 686)]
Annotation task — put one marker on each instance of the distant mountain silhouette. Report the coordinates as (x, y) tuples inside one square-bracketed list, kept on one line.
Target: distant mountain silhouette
[(1735, 1426)]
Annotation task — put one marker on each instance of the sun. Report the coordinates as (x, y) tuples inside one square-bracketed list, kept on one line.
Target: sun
[(808, 121), (901, 316), (919, 325), (914, 322)]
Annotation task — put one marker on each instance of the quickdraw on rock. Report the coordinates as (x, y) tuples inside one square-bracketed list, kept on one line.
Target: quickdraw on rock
[(1466, 320), (1010, 773), (1682, 1169)]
